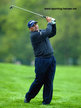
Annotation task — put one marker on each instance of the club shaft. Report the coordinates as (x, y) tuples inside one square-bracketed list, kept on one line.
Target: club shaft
[(29, 11)]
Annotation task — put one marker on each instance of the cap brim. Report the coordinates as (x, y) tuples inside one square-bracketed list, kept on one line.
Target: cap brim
[(33, 23)]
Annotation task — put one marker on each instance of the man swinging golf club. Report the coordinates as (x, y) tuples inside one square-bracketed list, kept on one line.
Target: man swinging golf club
[(45, 63)]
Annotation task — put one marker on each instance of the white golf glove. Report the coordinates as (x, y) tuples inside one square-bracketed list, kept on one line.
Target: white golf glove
[(53, 21)]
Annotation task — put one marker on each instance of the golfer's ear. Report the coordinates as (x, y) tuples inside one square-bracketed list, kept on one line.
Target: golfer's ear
[(29, 29)]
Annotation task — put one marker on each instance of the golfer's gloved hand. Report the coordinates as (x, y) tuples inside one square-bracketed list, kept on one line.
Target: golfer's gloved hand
[(53, 21)]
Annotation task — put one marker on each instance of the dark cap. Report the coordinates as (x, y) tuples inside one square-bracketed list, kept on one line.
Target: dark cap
[(31, 23)]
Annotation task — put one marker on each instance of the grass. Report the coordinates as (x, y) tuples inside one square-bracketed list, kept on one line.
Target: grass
[(15, 81)]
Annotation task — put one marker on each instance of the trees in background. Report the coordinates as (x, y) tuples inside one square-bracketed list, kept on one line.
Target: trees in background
[(14, 35)]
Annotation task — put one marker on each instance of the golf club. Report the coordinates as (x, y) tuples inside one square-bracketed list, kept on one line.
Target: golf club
[(14, 6)]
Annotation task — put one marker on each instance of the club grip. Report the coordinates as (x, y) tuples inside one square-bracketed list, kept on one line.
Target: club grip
[(44, 16)]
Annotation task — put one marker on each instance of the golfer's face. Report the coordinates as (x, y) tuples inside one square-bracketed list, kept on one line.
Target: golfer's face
[(35, 27)]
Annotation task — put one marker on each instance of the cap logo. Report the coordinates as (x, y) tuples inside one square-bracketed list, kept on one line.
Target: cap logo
[(32, 22)]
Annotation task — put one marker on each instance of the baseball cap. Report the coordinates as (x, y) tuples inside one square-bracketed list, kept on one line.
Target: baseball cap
[(31, 23)]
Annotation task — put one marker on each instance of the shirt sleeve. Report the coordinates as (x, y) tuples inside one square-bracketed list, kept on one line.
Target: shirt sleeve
[(53, 33)]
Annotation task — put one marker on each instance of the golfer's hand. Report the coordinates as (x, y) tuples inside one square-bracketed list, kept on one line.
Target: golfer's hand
[(48, 19)]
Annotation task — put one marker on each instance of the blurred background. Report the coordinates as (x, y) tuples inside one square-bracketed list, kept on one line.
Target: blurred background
[(15, 45)]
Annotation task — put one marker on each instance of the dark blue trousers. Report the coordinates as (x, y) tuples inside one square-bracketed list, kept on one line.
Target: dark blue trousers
[(45, 71)]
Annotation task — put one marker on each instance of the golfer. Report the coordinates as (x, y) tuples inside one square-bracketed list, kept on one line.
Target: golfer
[(45, 63)]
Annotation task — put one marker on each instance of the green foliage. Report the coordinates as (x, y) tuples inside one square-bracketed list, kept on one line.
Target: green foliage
[(14, 34), (15, 81)]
